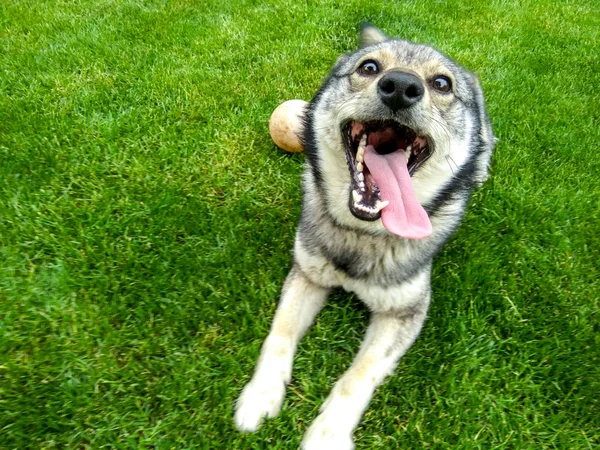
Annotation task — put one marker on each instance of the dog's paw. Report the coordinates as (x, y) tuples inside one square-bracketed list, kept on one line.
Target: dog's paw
[(325, 434), (259, 399)]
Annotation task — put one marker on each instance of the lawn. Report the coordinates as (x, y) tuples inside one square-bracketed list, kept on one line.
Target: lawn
[(146, 226)]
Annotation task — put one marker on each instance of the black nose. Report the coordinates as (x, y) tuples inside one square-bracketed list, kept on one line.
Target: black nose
[(400, 90)]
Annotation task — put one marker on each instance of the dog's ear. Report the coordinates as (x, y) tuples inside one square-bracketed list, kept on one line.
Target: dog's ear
[(342, 59), (487, 141), (370, 35)]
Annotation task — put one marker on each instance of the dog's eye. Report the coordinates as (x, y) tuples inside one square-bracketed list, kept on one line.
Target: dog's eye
[(442, 83), (369, 67)]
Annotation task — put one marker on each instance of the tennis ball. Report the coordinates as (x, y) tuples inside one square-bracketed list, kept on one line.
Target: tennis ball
[(286, 125)]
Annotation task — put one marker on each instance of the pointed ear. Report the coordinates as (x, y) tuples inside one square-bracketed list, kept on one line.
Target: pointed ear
[(487, 140), (370, 35), (342, 59)]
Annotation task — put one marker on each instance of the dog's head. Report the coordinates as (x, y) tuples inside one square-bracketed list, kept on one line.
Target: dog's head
[(395, 117)]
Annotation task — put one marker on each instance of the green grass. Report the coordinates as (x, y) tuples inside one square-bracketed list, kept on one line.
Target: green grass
[(146, 224)]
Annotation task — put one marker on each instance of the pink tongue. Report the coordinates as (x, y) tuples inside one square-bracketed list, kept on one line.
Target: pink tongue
[(404, 215)]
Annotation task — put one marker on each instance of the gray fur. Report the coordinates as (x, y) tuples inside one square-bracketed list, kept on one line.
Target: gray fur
[(333, 248)]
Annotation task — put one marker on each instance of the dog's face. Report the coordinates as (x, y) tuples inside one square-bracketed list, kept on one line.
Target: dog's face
[(395, 111)]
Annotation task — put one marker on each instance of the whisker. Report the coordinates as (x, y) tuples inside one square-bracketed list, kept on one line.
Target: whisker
[(449, 165), (451, 159)]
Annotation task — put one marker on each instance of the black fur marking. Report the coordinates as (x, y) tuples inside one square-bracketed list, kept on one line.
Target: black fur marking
[(347, 262), (309, 139), (459, 186), (463, 181)]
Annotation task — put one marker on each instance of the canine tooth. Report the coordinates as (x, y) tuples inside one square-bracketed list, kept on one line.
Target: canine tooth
[(361, 176), (361, 185), (381, 204), (356, 196), (359, 167)]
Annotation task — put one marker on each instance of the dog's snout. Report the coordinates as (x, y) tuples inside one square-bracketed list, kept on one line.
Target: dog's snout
[(400, 90)]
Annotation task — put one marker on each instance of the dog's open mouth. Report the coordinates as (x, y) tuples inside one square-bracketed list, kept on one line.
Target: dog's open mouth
[(382, 156)]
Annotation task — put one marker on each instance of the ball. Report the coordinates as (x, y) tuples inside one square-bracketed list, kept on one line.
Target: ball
[(286, 125)]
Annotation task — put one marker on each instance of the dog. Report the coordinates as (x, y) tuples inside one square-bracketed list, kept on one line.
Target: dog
[(396, 139)]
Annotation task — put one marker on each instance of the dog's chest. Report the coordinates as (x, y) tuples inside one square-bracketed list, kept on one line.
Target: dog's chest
[(351, 257)]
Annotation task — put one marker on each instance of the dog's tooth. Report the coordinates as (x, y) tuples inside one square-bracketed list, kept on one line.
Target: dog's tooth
[(361, 185), (356, 196), (408, 150), (361, 176), (359, 167), (360, 152), (381, 204), (363, 142)]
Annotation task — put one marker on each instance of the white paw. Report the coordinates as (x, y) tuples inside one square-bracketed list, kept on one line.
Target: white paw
[(258, 399), (326, 434)]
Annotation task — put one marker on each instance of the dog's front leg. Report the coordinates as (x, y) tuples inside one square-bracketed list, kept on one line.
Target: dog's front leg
[(300, 302), (388, 337)]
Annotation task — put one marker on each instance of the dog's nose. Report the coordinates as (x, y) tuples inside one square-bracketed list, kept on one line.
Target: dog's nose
[(400, 90)]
